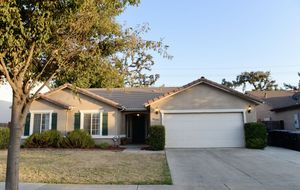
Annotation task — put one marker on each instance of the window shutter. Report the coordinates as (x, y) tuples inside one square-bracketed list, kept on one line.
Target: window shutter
[(77, 121), (27, 125), (105, 124), (54, 121)]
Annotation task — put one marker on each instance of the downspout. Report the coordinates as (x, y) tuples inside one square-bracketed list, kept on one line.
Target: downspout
[(67, 123)]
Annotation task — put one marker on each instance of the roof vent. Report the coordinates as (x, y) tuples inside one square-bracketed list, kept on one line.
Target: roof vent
[(204, 78)]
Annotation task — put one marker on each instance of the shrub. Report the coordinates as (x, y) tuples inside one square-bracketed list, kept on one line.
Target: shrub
[(255, 135), (103, 145), (156, 138), (78, 139), (46, 139), (4, 138)]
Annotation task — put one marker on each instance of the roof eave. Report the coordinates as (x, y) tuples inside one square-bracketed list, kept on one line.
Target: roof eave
[(203, 80), (57, 103), (87, 93), (287, 108)]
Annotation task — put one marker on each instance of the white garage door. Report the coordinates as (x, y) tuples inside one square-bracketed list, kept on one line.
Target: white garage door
[(201, 130)]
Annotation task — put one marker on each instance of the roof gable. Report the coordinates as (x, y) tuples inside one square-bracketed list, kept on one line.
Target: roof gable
[(207, 82), (86, 93), (54, 102)]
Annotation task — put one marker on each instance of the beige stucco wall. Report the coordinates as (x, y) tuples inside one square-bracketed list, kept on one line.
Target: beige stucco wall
[(80, 103), (263, 112), (288, 118), (42, 105), (200, 97)]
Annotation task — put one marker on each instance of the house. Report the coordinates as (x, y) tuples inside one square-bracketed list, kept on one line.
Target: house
[(281, 106), (200, 114), (6, 101)]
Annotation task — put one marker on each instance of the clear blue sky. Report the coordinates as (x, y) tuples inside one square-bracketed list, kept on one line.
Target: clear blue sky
[(222, 38)]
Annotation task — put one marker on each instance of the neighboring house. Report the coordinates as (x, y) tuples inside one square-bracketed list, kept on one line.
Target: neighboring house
[(279, 106), (6, 101), (199, 114)]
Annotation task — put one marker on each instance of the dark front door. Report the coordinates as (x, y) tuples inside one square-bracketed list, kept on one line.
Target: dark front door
[(138, 128)]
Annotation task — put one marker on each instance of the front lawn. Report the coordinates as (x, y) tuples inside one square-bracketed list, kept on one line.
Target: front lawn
[(90, 167)]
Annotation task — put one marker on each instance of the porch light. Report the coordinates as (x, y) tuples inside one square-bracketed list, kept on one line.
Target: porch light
[(249, 109), (138, 114), (156, 110)]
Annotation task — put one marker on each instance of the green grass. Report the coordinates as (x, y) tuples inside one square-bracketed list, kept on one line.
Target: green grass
[(90, 167)]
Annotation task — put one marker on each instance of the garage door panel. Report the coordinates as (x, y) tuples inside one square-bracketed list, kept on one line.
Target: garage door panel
[(191, 130)]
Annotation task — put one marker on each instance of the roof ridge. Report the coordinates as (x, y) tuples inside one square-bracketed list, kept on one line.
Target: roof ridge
[(209, 82)]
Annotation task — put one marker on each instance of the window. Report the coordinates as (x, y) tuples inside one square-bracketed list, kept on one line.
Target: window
[(41, 122), (91, 123)]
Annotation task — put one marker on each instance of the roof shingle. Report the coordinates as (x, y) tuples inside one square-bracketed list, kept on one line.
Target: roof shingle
[(278, 100), (131, 98)]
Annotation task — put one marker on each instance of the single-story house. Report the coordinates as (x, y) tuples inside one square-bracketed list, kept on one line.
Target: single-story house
[(200, 114), (279, 105)]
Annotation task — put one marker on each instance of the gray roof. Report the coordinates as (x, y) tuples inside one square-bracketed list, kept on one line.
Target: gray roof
[(132, 98), (278, 100)]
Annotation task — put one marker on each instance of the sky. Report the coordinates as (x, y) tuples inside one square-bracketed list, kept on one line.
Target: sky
[(221, 38)]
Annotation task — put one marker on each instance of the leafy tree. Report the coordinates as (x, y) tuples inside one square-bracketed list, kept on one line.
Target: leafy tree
[(136, 59), (40, 40), (129, 66), (259, 80), (291, 87)]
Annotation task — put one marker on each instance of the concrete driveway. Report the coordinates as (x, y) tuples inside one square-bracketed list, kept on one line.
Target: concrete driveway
[(234, 168)]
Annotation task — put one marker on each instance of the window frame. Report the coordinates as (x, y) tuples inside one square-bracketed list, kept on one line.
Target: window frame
[(100, 112), (33, 112)]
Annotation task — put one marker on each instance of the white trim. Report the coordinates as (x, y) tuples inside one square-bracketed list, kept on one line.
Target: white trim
[(106, 137), (101, 122), (82, 112), (242, 111), (32, 112)]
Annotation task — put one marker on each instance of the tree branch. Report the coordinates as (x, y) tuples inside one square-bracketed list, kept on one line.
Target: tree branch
[(43, 85), (4, 70), (36, 79), (49, 79), (23, 70)]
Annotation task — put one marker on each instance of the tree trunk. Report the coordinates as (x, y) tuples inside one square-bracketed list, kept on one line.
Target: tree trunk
[(18, 116)]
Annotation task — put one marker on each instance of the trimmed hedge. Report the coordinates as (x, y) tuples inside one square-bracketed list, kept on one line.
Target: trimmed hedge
[(255, 135), (46, 139), (78, 139), (4, 138), (156, 138)]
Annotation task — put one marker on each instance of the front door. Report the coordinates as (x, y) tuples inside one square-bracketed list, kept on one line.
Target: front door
[(138, 128)]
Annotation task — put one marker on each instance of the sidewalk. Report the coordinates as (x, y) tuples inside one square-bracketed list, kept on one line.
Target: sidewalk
[(36, 186)]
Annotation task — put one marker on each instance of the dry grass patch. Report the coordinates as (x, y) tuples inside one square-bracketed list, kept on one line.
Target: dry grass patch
[(90, 167)]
